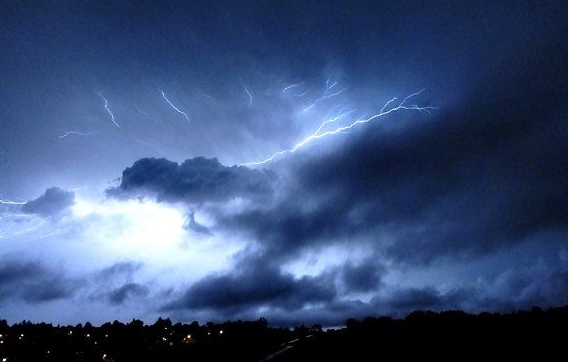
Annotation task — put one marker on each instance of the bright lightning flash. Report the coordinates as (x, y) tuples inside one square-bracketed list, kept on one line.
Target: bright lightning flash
[(173, 106), (318, 134)]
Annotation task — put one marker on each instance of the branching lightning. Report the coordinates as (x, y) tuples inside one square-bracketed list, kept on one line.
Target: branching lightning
[(108, 109), (319, 133), (69, 133), (173, 106), (328, 93)]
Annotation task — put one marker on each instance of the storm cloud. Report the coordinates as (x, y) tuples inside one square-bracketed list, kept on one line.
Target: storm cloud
[(33, 283), (129, 290), (461, 184), (52, 202), (482, 176), (255, 283), (194, 181), (462, 208)]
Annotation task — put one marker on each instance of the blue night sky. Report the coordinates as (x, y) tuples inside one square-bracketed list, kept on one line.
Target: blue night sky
[(304, 161)]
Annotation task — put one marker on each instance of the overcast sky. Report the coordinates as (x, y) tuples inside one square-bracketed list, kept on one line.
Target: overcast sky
[(303, 161)]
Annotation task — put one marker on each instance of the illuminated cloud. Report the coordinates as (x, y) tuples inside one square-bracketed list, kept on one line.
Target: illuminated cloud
[(462, 207)]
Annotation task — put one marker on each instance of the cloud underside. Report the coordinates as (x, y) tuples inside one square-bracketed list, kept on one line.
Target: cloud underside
[(195, 181)]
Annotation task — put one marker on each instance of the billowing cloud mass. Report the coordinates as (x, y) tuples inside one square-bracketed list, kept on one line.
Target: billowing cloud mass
[(472, 182), (52, 202), (121, 294), (255, 284), (194, 181), (477, 178), (33, 283), (460, 207)]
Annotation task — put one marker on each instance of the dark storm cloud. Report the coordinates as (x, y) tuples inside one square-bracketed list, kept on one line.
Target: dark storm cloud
[(193, 225), (33, 283), (195, 181), (362, 277), (490, 172), (52, 202), (115, 284), (417, 299), (539, 285), (519, 290), (124, 269), (485, 172), (287, 303), (255, 283), (127, 291)]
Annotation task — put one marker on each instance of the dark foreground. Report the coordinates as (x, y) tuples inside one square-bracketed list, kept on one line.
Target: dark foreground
[(449, 336)]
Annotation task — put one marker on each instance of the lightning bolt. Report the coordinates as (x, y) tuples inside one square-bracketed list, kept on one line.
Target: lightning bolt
[(9, 202), (291, 86), (318, 134), (173, 106), (107, 109), (248, 92), (69, 133), (300, 95), (17, 220), (326, 94)]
